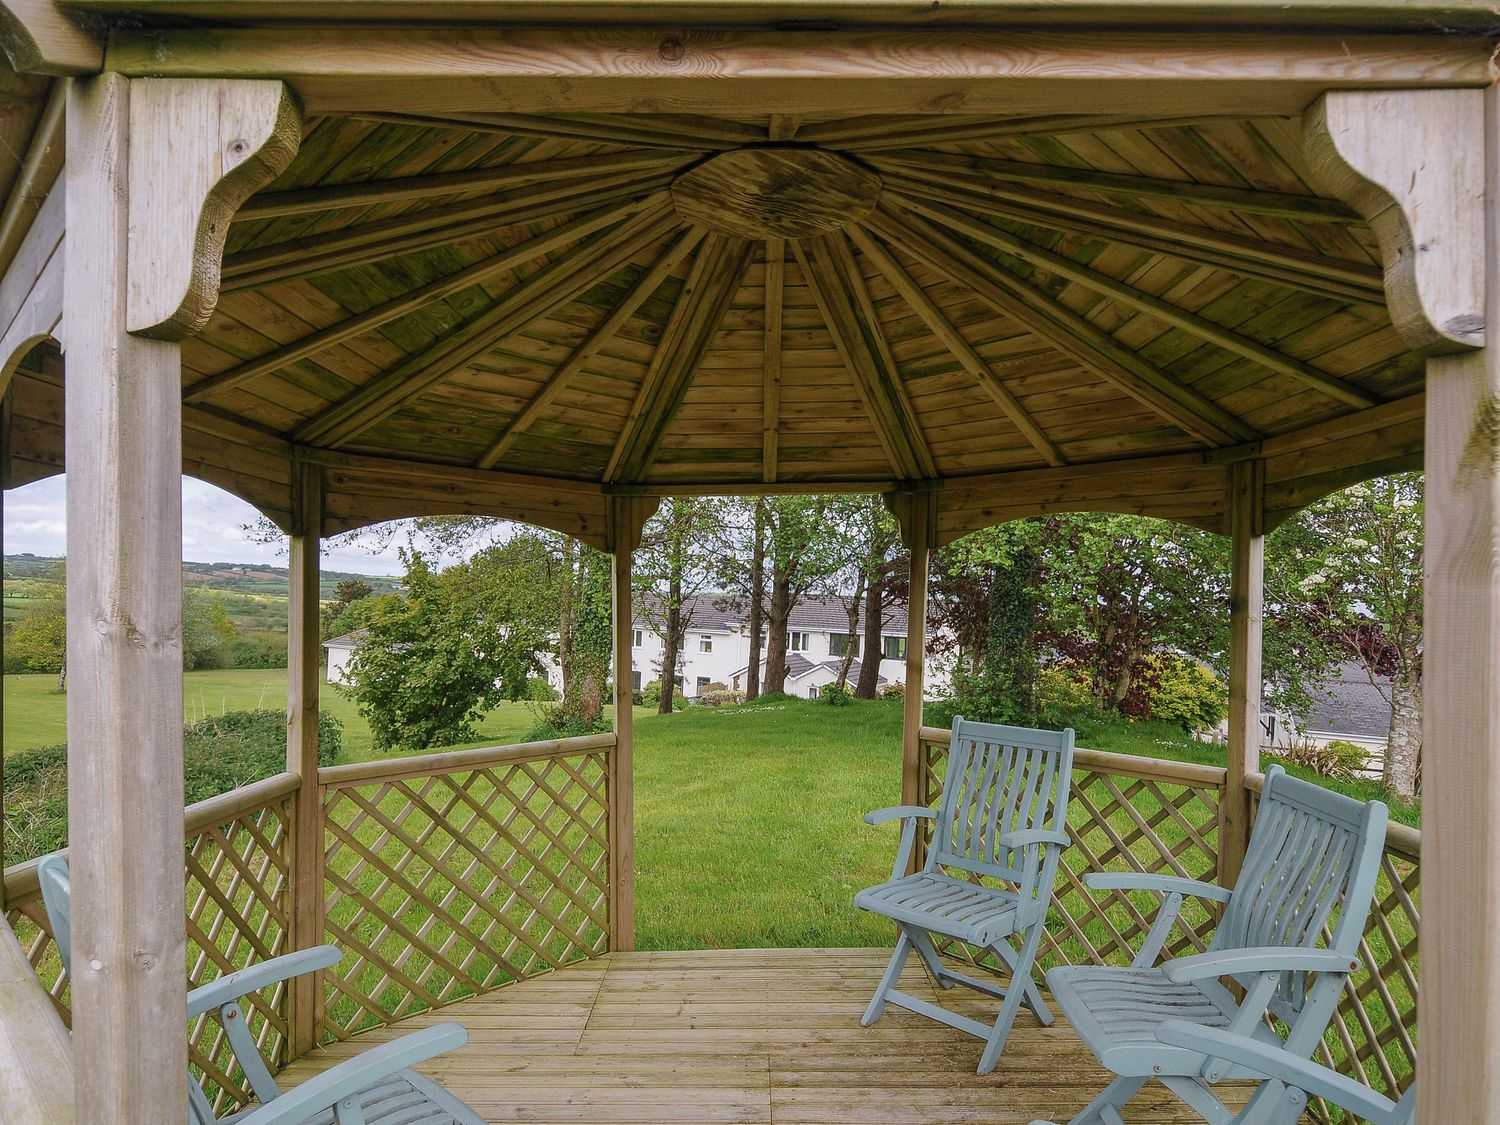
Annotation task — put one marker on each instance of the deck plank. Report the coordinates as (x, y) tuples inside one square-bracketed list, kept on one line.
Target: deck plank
[(757, 1036)]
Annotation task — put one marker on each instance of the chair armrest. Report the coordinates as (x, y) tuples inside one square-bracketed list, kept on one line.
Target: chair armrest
[(1023, 837), (1165, 884), (1258, 959), (353, 1075), (1280, 1064), (252, 978), (899, 812)]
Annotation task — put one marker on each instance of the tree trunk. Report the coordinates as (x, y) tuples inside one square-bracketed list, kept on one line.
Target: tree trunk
[(565, 620), (671, 642), (62, 674), (852, 608), (757, 600), (871, 648), (776, 638), (1403, 751)]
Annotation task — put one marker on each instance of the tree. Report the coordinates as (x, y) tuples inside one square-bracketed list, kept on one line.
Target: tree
[(807, 549), (1361, 560), (207, 631), (679, 545), (38, 641), (757, 597), (336, 618), (883, 558)]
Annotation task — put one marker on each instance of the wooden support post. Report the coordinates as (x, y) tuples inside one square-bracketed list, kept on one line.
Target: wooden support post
[(305, 882), (1246, 595), (146, 161), (627, 515), (917, 514)]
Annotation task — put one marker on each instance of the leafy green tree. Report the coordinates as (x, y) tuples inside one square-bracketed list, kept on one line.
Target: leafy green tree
[(38, 641), (207, 631), (336, 616), (675, 563)]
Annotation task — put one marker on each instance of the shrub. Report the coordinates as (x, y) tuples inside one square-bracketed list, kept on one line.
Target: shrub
[(717, 695), (554, 721), (651, 696), (220, 753), (893, 691), (1187, 693), (258, 649), (1064, 697), (538, 690), (836, 695), (1339, 760)]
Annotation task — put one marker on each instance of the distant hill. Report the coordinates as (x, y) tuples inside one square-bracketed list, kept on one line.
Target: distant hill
[(238, 578)]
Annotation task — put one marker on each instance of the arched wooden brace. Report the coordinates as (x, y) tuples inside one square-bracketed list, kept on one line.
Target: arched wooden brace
[(145, 164), (1425, 168)]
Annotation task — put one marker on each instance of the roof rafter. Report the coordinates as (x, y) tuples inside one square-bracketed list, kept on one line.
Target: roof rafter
[(1190, 322), (770, 400), (1280, 204), (838, 290), (871, 134), (718, 272), (435, 226), (953, 340), (400, 189), (405, 303), (556, 285), (1069, 332), (647, 284), (626, 130), (1245, 256)]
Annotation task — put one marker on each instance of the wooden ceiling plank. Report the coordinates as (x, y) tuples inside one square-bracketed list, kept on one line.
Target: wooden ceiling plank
[(1204, 329), (555, 285), (409, 302), (402, 189), (1239, 255), (1066, 330), (1279, 204), (647, 284), (704, 299), (953, 340), (873, 134), (546, 126), (770, 410), (422, 230), (820, 268), (783, 127)]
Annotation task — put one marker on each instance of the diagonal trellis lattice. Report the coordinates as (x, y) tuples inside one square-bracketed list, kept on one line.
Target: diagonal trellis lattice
[(446, 885), (236, 873)]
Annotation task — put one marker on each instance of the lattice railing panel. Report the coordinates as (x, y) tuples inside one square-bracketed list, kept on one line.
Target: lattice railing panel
[(445, 885), (236, 872), (1120, 823)]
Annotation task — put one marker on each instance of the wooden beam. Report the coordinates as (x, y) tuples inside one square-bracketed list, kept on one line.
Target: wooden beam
[(404, 189), (45, 37), (36, 1083), (919, 531), (1246, 598), (783, 126), (556, 285), (621, 778), (1459, 1005), (770, 398), (517, 69), (868, 133), (39, 170), (1282, 205), (706, 296), (1064, 329), (958, 347), (508, 259), (866, 356), (647, 284), (1238, 254), (1392, 156), (364, 243), (124, 520), (1216, 334), (31, 291), (614, 131), (253, 129)]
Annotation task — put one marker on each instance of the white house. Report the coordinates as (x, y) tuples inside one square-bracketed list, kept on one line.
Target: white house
[(340, 652), (716, 647)]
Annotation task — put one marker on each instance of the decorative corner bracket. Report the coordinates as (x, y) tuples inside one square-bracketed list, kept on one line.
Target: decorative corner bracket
[(1412, 162), (198, 149), (625, 519)]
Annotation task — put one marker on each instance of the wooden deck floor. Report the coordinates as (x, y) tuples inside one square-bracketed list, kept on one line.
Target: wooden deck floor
[(744, 1035)]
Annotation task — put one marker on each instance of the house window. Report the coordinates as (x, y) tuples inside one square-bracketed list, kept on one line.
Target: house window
[(812, 692), (705, 644), (635, 681), (840, 643), (703, 682), (798, 642), (895, 648), (635, 639)]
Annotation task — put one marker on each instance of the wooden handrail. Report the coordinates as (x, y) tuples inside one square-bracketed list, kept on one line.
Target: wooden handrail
[(1402, 839), (36, 1082), (1123, 765), (425, 765)]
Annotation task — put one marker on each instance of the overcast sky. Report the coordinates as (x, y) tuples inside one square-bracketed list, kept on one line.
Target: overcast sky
[(212, 529)]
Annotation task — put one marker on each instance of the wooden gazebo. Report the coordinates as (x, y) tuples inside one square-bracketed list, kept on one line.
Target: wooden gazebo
[(554, 261)]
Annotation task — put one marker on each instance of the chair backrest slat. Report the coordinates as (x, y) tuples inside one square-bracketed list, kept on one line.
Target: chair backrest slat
[(999, 779), (1313, 854)]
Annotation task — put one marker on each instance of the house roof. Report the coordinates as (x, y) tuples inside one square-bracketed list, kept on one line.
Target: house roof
[(348, 640), (717, 613), (1348, 704)]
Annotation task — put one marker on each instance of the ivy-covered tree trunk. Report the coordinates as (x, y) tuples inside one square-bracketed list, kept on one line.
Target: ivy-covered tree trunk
[(757, 600), (565, 608), (1403, 752), (1010, 658), (591, 639), (776, 636), (671, 641)]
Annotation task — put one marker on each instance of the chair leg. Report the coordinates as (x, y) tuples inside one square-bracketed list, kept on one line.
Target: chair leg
[(1200, 1099), (1032, 997), (1021, 988), (922, 941), (888, 981), (1113, 1096)]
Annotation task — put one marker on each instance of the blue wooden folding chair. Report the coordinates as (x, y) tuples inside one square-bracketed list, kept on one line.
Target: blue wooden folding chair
[(377, 1088), (1003, 816), (1312, 861)]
